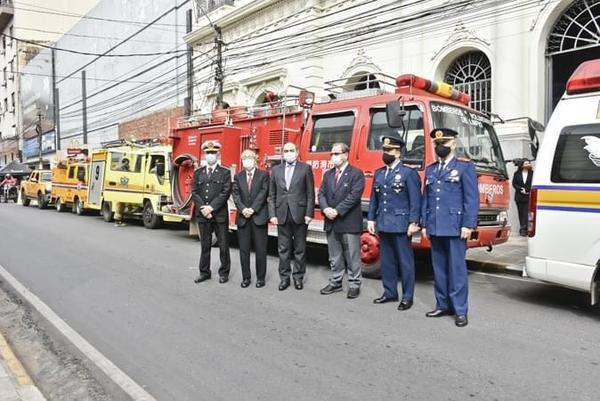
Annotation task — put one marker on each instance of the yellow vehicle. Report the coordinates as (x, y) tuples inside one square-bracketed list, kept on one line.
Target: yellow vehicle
[(69, 185), (131, 180), (37, 187)]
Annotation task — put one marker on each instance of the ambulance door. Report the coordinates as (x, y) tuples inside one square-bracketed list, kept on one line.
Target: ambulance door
[(328, 128), (155, 174), (96, 182), (413, 134)]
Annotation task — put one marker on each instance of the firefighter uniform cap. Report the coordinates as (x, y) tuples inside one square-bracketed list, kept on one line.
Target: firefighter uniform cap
[(211, 146), (443, 134), (392, 142)]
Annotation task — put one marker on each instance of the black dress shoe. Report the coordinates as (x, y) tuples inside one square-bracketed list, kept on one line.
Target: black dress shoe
[(383, 299), (284, 285), (223, 279), (330, 289), (353, 293), (405, 305), (298, 284), (461, 321), (201, 278), (439, 313), (245, 282), (260, 283)]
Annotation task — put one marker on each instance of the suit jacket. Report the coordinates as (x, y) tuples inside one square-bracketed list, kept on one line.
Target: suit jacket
[(395, 199), (256, 199), (213, 191), (450, 198), (345, 198), (517, 183), (299, 199)]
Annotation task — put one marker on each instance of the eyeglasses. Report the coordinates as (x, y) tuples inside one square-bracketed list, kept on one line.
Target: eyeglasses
[(289, 150), (337, 153)]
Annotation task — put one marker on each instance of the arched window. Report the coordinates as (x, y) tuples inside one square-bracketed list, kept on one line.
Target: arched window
[(361, 81), (577, 28), (472, 73)]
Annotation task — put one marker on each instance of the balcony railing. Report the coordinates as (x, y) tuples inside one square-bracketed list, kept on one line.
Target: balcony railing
[(214, 4)]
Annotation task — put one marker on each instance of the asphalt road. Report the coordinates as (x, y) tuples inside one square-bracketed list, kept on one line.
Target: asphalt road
[(130, 292)]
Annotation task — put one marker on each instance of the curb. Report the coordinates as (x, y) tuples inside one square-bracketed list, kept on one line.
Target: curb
[(24, 387), (494, 267)]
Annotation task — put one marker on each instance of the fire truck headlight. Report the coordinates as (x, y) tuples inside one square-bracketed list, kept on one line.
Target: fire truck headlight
[(502, 218)]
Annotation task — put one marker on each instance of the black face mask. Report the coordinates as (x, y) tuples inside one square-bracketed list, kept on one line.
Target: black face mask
[(442, 151), (388, 159)]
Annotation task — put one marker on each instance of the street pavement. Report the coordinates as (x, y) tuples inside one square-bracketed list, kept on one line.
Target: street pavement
[(130, 293)]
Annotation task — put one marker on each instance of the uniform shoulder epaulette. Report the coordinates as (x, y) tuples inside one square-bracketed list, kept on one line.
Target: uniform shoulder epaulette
[(463, 159), (381, 169)]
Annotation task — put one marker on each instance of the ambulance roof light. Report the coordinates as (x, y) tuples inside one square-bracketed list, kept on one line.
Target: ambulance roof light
[(586, 78), (437, 88)]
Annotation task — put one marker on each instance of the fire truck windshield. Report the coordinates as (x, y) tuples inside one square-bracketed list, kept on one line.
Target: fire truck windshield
[(477, 139)]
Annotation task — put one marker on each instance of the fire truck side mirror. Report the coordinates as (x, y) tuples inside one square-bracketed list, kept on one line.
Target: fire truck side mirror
[(534, 128), (160, 169), (395, 114)]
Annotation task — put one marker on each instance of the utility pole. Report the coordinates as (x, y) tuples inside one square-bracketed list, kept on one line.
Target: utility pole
[(84, 106), (219, 69), (38, 129), (55, 101), (189, 100)]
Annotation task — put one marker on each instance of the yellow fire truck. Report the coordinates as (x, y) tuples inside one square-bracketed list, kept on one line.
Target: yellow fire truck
[(131, 180), (69, 184)]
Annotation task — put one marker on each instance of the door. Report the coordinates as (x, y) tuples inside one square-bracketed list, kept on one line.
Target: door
[(96, 182)]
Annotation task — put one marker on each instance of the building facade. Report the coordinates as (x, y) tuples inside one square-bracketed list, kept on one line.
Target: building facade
[(513, 57), (9, 139)]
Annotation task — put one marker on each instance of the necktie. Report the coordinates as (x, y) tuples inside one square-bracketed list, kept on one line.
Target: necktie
[(288, 175), (386, 172), (442, 166), (249, 178), (338, 174), (209, 172)]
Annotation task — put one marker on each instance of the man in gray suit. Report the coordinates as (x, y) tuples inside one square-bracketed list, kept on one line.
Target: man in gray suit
[(291, 208)]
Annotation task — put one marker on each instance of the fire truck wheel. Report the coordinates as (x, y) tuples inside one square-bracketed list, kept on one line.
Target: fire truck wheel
[(60, 207), (372, 270), (78, 207), (107, 213), (24, 199), (41, 202), (151, 220), (370, 256)]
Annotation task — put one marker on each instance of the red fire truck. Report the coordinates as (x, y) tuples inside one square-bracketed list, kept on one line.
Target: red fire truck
[(358, 118)]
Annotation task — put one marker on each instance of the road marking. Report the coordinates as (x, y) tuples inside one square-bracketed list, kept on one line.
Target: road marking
[(13, 363), (134, 390), (510, 277)]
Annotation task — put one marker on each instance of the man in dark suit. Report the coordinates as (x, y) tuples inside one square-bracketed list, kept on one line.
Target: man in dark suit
[(340, 202), (212, 187), (291, 207), (250, 190), (521, 182)]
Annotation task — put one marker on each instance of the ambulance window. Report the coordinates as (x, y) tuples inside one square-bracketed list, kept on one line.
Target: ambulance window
[(72, 172), (577, 156), (330, 129), (138, 164), (81, 173), (414, 135), (46, 177), (154, 160)]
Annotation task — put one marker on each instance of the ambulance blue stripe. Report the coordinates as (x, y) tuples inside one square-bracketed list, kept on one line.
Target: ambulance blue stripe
[(569, 209), (567, 188)]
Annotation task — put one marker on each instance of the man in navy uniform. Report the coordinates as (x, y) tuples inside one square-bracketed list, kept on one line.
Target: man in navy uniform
[(449, 215), (340, 201), (394, 212), (212, 187)]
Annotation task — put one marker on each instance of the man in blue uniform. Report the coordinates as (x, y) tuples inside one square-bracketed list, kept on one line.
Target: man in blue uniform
[(394, 212), (449, 215)]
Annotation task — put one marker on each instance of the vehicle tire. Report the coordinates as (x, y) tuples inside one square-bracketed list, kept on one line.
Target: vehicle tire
[(78, 207), (41, 202), (369, 256), (24, 200), (151, 220), (60, 207), (107, 213)]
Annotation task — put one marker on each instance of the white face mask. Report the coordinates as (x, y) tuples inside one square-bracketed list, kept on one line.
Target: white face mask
[(211, 158), (248, 164), (337, 160), (289, 157)]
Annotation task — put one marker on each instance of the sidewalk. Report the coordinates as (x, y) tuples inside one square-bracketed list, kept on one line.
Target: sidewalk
[(15, 383), (507, 258)]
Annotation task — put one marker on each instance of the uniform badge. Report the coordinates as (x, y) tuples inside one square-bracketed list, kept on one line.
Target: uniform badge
[(398, 177), (454, 173), (454, 177)]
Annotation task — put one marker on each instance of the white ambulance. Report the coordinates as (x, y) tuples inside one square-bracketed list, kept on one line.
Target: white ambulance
[(564, 207)]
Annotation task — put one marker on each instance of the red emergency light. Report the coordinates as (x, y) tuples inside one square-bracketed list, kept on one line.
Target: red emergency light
[(586, 78), (437, 88)]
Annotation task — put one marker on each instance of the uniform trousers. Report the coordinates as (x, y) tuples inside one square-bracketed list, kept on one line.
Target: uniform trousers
[(397, 259), (450, 273)]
